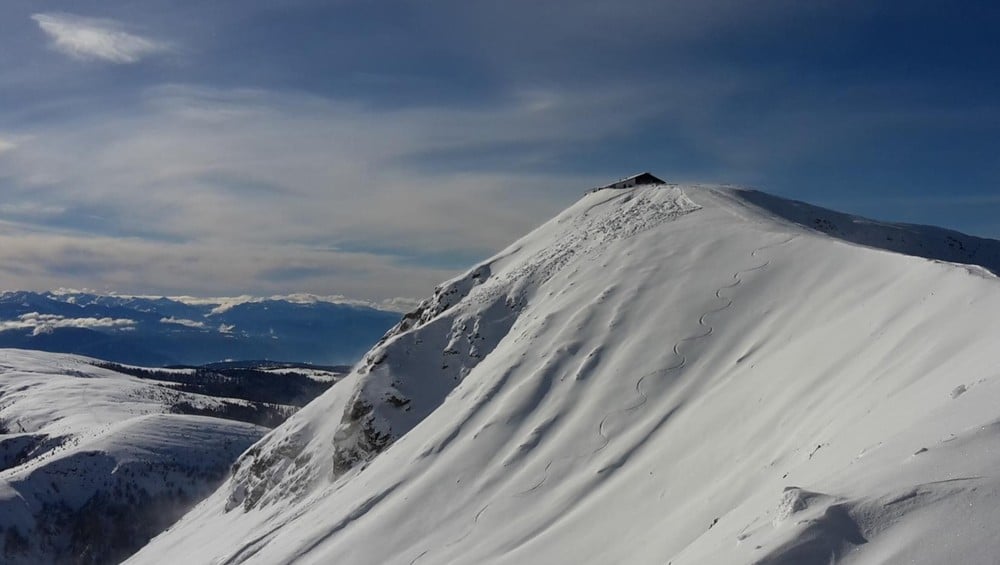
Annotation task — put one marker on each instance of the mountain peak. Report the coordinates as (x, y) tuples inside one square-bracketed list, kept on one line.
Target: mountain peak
[(660, 373)]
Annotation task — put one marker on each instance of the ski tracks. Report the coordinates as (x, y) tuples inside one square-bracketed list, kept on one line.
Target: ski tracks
[(682, 359), (456, 541), (642, 396)]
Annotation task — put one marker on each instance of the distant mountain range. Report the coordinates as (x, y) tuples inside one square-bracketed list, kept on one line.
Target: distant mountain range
[(160, 331)]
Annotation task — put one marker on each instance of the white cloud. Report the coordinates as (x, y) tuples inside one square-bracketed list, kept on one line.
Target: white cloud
[(207, 300), (6, 145), (400, 304), (396, 304), (30, 209), (290, 192), (299, 193), (47, 323), (182, 322), (224, 304), (34, 259), (258, 167), (226, 328), (96, 39)]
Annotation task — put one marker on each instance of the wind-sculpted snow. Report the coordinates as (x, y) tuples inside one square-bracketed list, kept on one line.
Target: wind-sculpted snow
[(418, 363), (922, 241), (658, 375)]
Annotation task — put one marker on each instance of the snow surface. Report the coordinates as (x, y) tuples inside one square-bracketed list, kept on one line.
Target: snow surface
[(321, 375), (84, 451), (667, 374)]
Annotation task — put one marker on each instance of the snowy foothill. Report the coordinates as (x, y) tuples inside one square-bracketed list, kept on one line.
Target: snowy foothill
[(660, 374), (95, 461)]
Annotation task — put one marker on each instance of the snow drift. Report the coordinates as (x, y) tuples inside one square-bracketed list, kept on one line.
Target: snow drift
[(664, 374)]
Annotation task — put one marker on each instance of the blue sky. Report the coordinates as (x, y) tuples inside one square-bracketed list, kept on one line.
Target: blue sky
[(373, 149)]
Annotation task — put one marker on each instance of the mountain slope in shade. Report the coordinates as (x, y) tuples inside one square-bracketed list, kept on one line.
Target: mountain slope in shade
[(664, 374)]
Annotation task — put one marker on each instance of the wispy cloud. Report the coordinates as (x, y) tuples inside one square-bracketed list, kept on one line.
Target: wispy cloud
[(182, 322), (31, 258), (96, 39), (336, 193), (343, 174), (47, 323), (225, 303)]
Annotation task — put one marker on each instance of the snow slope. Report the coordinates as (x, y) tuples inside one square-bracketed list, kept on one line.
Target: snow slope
[(665, 374), (93, 462)]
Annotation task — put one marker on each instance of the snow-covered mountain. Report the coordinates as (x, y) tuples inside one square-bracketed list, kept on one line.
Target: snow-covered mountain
[(158, 331), (661, 374), (96, 458)]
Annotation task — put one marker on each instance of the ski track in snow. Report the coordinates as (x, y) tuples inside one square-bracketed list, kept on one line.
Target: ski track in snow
[(359, 511), (643, 397), (627, 194), (709, 329)]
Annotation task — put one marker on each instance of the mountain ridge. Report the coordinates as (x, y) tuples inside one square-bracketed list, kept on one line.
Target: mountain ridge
[(928, 242)]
